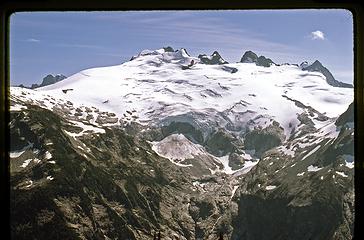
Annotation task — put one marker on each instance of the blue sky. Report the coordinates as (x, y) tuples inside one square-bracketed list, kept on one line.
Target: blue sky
[(44, 43)]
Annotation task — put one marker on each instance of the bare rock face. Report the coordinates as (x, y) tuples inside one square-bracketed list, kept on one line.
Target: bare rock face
[(347, 117), (48, 80), (214, 59), (262, 140), (264, 62), (168, 49), (251, 57), (236, 161), (318, 67), (220, 143), (104, 119)]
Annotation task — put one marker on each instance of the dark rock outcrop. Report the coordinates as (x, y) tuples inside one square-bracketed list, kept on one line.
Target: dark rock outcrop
[(251, 57), (273, 218), (48, 80), (214, 59), (168, 49), (220, 143), (185, 128), (189, 65), (236, 161), (229, 69), (264, 62), (264, 139), (346, 117)]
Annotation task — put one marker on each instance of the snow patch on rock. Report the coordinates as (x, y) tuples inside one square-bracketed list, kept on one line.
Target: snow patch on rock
[(270, 187), (341, 174), (18, 153), (26, 163), (312, 168)]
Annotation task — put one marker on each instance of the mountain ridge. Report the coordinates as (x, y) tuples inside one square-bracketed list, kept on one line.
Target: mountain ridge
[(147, 146), (317, 66), (47, 80)]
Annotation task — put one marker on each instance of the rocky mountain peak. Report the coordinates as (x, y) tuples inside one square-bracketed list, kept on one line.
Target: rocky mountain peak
[(216, 53), (317, 63), (165, 54), (184, 52), (251, 57), (214, 59), (304, 64), (265, 62), (317, 66), (48, 80), (168, 49)]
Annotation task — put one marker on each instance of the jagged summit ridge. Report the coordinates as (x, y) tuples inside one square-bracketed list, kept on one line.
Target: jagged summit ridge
[(214, 59), (181, 56), (304, 64), (50, 79), (169, 54), (251, 57), (165, 55), (47, 80), (317, 66)]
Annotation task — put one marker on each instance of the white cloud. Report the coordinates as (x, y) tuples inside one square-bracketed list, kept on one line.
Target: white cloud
[(317, 35), (32, 40)]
